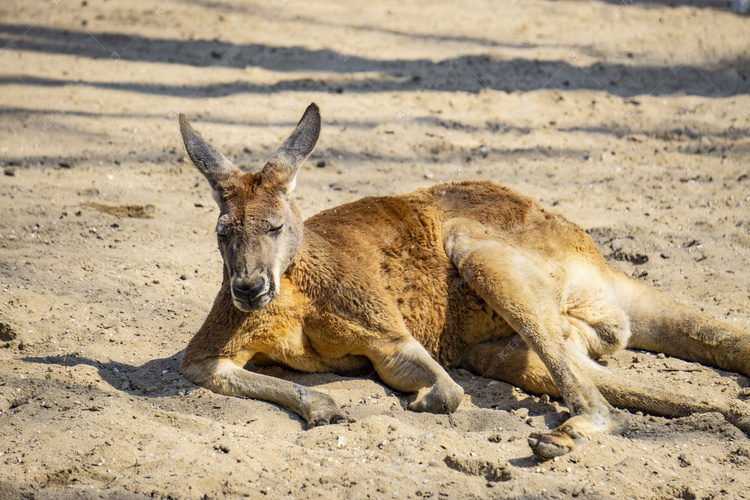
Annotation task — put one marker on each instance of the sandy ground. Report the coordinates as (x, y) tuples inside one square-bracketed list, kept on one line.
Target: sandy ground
[(632, 119)]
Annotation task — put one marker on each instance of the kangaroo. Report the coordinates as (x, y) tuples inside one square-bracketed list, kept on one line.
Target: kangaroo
[(468, 274)]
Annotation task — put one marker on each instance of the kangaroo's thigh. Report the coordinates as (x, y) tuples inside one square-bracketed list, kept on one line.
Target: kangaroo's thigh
[(520, 286)]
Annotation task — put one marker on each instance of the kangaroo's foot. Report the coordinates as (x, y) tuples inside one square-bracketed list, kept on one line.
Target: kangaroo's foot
[(575, 432)]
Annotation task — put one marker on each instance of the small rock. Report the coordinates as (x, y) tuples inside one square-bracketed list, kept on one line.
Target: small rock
[(687, 493), (495, 438), (522, 413), (7, 333)]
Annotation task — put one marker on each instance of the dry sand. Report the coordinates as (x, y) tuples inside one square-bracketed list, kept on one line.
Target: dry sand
[(632, 119)]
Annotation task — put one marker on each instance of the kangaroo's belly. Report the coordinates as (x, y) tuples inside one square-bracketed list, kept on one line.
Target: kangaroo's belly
[(439, 308), (447, 324)]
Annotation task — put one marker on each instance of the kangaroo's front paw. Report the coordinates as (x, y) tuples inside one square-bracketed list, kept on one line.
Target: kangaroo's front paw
[(442, 398), (331, 417), (322, 410)]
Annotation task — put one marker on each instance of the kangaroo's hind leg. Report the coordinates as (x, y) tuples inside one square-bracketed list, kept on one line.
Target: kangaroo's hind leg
[(513, 361), (522, 287)]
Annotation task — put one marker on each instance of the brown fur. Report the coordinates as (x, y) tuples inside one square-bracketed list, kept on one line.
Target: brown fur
[(470, 274)]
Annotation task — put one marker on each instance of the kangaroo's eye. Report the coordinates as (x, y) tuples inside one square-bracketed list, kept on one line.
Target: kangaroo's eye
[(275, 229)]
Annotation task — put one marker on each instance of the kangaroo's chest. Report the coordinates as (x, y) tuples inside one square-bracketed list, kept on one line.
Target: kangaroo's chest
[(305, 349)]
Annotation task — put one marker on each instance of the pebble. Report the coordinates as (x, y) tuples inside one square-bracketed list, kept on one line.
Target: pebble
[(521, 413)]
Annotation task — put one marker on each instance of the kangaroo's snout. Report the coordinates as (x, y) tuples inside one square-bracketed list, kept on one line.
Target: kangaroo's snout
[(253, 292), (250, 288)]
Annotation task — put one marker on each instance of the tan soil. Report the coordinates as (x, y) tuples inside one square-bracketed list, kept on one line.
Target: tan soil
[(632, 119)]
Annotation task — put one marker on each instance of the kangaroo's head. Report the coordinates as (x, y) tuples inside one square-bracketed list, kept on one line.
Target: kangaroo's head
[(259, 228)]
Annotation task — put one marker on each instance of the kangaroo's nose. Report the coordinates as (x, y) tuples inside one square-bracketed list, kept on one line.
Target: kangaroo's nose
[(250, 288)]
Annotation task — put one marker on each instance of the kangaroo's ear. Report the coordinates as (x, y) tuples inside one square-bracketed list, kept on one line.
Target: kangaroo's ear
[(286, 162), (210, 161)]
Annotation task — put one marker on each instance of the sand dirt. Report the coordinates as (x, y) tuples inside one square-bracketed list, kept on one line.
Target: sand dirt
[(631, 118)]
